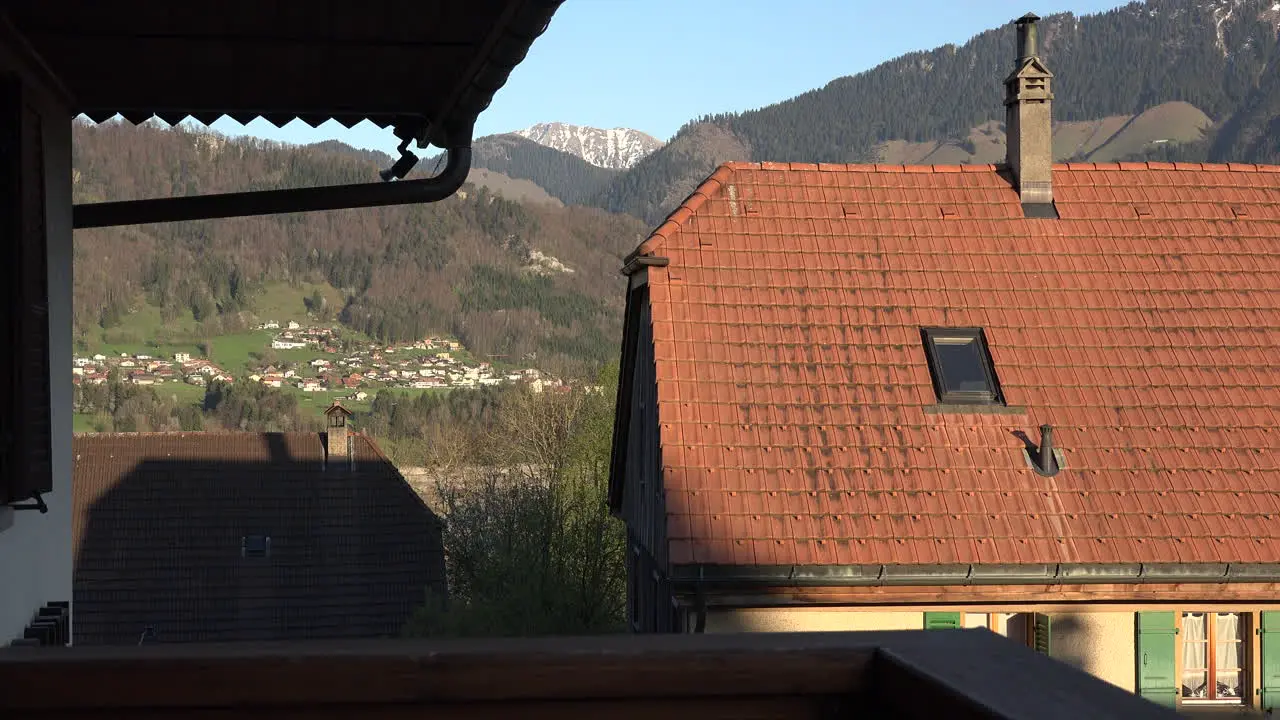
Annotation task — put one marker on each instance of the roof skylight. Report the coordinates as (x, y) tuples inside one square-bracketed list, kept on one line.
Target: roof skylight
[(961, 366)]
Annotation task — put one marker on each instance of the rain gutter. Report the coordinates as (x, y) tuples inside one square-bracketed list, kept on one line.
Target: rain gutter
[(268, 202), (717, 577)]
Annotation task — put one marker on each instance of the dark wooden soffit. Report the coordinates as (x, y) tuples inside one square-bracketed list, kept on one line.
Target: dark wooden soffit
[(954, 674), (350, 60)]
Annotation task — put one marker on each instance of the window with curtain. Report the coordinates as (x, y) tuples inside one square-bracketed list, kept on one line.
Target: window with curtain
[(1212, 657)]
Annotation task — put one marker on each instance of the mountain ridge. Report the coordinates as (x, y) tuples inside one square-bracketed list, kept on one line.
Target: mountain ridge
[(1119, 63), (611, 148)]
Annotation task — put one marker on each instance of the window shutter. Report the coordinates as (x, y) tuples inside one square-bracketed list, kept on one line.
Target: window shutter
[(1157, 676), (1040, 633), (941, 620), (25, 432), (1269, 677)]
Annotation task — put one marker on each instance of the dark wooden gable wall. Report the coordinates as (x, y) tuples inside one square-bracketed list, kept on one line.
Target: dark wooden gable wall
[(638, 461), (26, 469), (642, 506)]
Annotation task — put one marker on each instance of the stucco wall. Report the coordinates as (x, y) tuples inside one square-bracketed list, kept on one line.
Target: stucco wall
[(35, 548), (807, 620), (1100, 643)]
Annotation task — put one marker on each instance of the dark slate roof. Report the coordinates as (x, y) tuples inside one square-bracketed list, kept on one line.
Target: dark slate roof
[(387, 61), (160, 518)]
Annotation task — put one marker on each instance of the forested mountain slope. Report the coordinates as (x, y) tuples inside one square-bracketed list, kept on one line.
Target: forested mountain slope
[(563, 175), (473, 265), (1220, 56)]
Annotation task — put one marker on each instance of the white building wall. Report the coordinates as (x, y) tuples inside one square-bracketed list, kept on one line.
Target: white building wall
[(35, 549)]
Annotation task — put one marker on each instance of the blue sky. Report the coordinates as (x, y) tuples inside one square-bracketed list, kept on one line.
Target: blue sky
[(652, 65)]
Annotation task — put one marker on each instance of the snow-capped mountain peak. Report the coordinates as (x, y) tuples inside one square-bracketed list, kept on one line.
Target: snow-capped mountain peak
[(618, 148)]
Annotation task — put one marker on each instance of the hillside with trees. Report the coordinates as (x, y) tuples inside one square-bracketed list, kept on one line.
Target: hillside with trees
[(472, 266), (563, 175), (1219, 57)]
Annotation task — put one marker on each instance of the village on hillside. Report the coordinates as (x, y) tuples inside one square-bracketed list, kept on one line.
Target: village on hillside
[(427, 364)]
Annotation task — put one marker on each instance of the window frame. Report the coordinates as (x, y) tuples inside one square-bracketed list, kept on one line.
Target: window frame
[(1243, 625), (930, 337), (254, 553)]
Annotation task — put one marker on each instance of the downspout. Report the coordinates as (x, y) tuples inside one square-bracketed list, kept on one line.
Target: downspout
[(269, 202)]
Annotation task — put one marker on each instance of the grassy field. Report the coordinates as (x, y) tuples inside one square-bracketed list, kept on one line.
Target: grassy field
[(181, 393), (283, 302), (233, 352)]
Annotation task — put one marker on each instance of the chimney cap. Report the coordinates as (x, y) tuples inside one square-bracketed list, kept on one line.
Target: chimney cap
[(337, 407), (1027, 19)]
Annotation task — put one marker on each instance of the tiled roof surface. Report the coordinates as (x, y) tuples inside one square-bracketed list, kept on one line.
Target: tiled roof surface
[(158, 524), (1144, 325)]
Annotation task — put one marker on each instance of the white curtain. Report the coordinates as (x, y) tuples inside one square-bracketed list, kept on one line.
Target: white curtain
[(1194, 683), (1227, 655)]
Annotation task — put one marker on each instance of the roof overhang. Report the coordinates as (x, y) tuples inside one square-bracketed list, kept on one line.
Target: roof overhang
[(393, 62), (426, 68)]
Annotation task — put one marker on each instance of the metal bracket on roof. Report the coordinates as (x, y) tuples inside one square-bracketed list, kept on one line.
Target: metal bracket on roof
[(642, 261), (39, 504)]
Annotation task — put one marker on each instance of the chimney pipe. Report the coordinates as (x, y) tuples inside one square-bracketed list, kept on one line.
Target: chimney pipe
[(1048, 463), (1029, 123), (1027, 37)]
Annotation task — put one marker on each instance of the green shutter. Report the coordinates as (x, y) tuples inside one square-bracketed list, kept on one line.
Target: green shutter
[(1040, 633), (1269, 678), (1157, 676), (941, 620)]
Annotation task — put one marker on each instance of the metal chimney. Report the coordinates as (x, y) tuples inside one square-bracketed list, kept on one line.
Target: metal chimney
[(1028, 37), (1048, 463)]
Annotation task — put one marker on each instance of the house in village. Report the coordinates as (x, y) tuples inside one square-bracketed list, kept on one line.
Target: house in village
[(283, 343), (1038, 398), (229, 536)]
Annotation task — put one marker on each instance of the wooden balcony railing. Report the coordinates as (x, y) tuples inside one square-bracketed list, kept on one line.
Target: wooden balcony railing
[(935, 674)]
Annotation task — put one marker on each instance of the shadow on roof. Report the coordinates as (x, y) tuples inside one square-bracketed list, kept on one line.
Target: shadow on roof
[(206, 550)]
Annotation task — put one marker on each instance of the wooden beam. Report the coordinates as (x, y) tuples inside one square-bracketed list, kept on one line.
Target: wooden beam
[(782, 707), (436, 672), (997, 608), (175, 73), (955, 674), (316, 20), (998, 595)]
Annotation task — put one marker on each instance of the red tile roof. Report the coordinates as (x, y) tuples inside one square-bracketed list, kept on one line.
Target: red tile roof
[(159, 518), (1144, 325)]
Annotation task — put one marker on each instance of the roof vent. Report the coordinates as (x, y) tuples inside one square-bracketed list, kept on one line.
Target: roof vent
[(1045, 459), (1240, 211), (1142, 210)]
